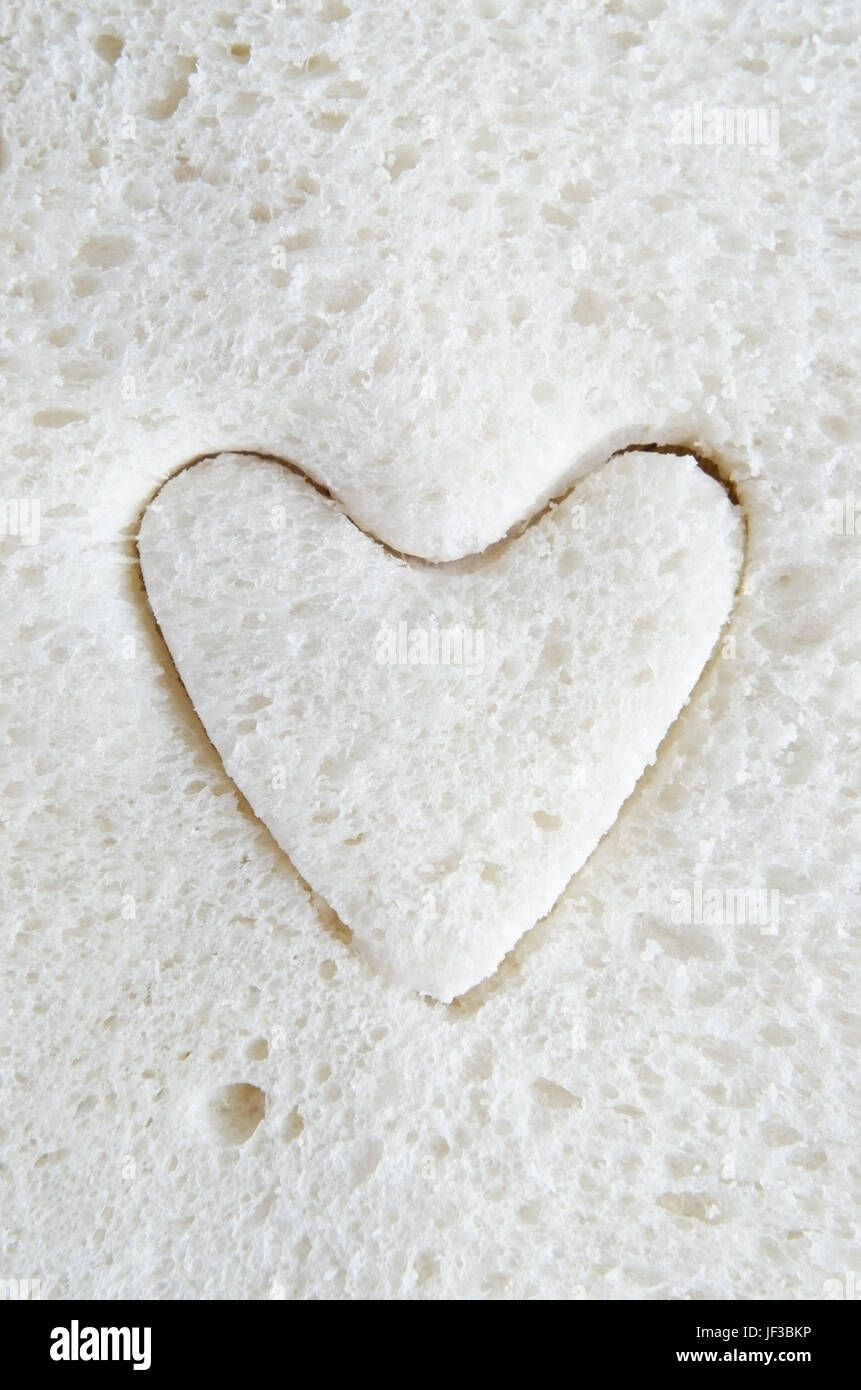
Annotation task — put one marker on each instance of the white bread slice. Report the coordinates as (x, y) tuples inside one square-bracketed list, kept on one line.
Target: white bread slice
[(198, 197), (439, 748)]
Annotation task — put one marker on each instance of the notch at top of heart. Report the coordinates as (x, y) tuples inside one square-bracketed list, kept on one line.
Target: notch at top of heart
[(439, 748)]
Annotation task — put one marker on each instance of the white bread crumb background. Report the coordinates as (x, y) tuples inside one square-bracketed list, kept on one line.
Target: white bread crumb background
[(446, 257)]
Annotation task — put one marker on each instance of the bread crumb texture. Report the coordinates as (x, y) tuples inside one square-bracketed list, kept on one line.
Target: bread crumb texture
[(446, 257)]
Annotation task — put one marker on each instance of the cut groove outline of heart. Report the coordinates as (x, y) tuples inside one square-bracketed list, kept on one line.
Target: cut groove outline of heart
[(479, 990)]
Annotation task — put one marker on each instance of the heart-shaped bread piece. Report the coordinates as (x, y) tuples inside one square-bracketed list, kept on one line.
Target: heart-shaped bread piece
[(439, 748)]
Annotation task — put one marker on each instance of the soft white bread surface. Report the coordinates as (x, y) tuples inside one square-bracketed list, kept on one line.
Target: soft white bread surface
[(445, 257), (439, 748)]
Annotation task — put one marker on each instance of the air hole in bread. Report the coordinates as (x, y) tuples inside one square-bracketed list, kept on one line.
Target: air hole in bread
[(232, 1113)]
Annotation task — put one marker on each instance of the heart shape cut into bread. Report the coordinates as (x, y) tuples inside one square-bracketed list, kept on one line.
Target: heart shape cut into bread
[(439, 747)]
